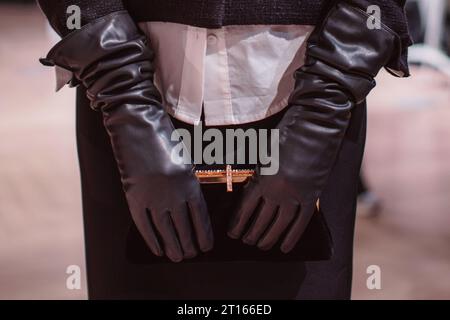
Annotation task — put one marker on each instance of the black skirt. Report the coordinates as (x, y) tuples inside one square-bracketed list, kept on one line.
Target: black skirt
[(119, 266)]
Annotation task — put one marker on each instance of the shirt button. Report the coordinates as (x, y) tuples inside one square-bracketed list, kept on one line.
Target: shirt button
[(212, 39)]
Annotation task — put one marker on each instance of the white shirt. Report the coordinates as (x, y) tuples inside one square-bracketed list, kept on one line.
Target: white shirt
[(236, 74)]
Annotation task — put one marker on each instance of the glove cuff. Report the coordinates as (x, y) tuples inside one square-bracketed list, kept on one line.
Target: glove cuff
[(112, 60), (346, 42), (83, 50)]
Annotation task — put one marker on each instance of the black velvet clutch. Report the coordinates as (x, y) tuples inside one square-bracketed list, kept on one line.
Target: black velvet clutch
[(315, 244)]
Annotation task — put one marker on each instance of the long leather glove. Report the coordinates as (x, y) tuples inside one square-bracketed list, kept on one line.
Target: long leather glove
[(113, 62), (343, 57)]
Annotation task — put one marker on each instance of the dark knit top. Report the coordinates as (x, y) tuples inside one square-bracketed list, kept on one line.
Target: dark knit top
[(218, 13)]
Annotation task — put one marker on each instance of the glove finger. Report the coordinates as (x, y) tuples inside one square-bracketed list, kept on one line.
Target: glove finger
[(183, 227), (298, 227), (145, 228), (283, 219), (264, 216), (164, 225), (248, 205), (202, 224)]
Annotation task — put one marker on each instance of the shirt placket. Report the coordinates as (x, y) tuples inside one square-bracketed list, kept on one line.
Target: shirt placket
[(192, 76), (217, 95)]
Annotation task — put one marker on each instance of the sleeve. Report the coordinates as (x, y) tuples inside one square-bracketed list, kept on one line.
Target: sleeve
[(393, 16), (56, 11)]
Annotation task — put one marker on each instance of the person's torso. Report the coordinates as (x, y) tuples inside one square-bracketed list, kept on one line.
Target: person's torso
[(233, 74)]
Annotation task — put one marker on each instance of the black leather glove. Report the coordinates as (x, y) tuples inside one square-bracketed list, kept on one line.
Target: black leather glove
[(343, 57), (114, 63)]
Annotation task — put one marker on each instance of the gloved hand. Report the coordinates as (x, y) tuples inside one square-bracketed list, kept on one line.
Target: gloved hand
[(114, 63), (343, 57)]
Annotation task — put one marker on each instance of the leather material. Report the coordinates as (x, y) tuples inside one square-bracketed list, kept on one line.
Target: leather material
[(113, 62), (343, 57), (316, 242)]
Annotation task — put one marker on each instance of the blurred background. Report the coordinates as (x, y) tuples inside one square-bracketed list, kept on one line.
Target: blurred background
[(403, 223)]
